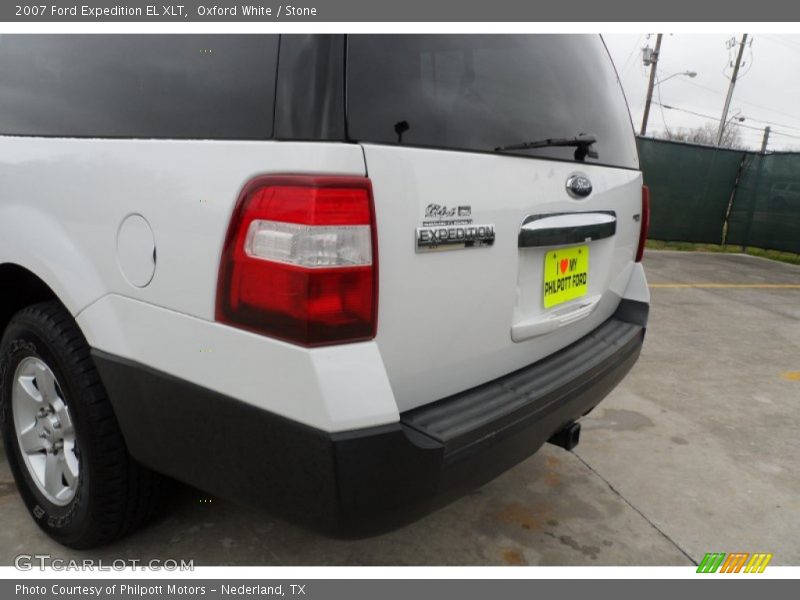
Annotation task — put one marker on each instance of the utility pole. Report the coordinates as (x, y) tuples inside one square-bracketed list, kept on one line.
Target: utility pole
[(724, 118), (765, 141), (651, 85)]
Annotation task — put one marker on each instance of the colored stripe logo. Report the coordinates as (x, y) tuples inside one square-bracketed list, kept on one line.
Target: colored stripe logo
[(735, 562)]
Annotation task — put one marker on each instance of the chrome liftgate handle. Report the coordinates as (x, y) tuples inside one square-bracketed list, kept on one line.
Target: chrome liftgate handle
[(556, 229)]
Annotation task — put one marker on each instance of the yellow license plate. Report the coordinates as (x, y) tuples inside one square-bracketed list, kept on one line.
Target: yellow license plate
[(566, 275)]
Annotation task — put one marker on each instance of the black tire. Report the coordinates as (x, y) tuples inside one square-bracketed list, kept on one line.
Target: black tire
[(114, 494)]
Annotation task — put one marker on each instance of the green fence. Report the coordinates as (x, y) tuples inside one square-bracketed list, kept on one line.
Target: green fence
[(714, 195)]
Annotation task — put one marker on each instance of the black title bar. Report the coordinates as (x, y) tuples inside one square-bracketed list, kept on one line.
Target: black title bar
[(402, 10)]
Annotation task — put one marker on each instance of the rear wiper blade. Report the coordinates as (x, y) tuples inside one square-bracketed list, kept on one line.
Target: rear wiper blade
[(582, 142)]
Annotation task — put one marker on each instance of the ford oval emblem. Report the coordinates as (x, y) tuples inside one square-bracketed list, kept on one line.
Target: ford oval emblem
[(579, 186)]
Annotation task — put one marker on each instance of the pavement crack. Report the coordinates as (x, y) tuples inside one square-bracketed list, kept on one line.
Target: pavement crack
[(639, 512)]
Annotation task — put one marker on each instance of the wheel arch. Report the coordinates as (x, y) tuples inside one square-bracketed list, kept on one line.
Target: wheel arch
[(21, 287)]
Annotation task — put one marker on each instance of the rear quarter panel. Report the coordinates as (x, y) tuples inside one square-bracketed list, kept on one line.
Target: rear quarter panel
[(61, 205)]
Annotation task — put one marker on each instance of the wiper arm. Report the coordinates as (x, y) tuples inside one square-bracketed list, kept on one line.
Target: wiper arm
[(582, 142)]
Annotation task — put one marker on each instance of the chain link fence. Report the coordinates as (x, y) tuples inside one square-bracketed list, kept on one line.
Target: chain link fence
[(720, 196)]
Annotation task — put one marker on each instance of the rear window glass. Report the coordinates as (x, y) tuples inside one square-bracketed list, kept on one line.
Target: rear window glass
[(480, 92), (151, 86)]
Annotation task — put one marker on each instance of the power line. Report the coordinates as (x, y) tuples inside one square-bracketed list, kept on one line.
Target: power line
[(749, 118), (796, 137), (627, 60), (791, 42), (772, 131), (747, 129), (698, 114), (785, 43), (661, 106), (742, 101), (766, 122), (705, 116)]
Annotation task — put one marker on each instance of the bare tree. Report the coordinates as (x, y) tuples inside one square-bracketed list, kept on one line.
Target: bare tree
[(706, 135)]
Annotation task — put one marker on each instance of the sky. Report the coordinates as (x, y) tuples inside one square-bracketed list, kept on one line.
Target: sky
[(766, 93)]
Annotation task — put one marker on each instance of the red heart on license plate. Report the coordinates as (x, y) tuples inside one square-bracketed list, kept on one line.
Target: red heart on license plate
[(564, 265)]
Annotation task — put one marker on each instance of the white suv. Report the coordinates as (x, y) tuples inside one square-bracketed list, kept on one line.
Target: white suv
[(194, 231)]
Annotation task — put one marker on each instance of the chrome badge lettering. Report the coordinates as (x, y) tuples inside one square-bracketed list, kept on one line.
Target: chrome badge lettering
[(454, 237), (439, 211)]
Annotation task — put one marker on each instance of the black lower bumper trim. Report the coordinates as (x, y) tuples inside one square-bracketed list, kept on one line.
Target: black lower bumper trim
[(365, 480), (467, 421)]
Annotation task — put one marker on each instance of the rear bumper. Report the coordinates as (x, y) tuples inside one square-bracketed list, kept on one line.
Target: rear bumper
[(372, 478)]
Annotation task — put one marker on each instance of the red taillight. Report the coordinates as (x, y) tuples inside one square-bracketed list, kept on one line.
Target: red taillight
[(644, 222), (300, 260)]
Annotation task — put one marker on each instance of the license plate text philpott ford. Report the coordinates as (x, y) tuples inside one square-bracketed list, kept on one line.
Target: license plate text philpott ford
[(566, 275)]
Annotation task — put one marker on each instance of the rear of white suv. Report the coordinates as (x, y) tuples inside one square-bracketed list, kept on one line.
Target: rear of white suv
[(345, 277)]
